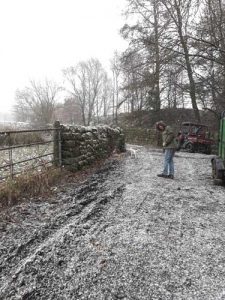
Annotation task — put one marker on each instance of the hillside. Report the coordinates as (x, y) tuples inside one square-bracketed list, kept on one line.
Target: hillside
[(173, 117)]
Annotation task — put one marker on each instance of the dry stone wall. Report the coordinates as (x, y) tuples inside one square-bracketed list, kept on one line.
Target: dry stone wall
[(81, 146), (142, 136)]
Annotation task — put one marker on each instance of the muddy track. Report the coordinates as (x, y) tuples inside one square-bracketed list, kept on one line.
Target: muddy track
[(85, 204), (122, 234)]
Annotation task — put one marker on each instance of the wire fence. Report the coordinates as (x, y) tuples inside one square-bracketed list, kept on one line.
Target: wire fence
[(25, 150)]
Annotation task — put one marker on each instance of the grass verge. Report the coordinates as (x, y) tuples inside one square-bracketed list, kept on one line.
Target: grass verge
[(28, 184), (32, 184)]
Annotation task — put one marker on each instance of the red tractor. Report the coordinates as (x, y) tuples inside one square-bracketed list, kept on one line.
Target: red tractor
[(194, 137)]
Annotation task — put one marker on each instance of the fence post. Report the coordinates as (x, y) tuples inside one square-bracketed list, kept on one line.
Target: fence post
[(10, 155), (11, 168), (57, 157)]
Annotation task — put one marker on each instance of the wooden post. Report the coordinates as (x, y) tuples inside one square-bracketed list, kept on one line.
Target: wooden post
[(57, 157)]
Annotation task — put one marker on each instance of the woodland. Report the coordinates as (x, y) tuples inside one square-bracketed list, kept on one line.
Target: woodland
[(175, 60)]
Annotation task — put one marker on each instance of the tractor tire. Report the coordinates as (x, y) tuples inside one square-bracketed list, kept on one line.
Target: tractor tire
[(208, 149), (214, 176), (189, 147), (216, 179)]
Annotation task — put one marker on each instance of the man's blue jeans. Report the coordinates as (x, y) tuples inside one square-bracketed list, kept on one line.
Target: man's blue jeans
[(168, 162)]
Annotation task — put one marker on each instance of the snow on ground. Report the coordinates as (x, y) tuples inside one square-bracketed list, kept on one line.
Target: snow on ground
[(13, 125), (38, 155), (122, 234)]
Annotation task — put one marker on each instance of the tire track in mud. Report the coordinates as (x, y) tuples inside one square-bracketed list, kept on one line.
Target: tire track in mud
[(72, 208), (88, 203)]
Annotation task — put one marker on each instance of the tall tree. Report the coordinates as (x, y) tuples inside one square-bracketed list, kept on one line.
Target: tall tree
[(209, 43), (106, 97), (104, 100), (147, 32), (181, 12), (116, 72), (85, 81), (135, 82)]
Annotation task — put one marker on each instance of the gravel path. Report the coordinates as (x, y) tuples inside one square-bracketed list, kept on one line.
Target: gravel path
[(122, 234)]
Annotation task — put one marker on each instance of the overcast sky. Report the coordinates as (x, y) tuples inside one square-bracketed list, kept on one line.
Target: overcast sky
[(41, 37)]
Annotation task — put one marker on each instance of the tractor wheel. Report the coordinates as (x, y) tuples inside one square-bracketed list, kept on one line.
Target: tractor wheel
[(216, 180), (189, 147), (223, 181), (214, 169), (208, 149)]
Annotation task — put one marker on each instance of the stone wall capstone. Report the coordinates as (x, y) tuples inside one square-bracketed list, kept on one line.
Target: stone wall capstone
[(81, 146)]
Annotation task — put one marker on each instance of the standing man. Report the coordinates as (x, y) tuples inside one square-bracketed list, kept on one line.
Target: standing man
[(169, 145)]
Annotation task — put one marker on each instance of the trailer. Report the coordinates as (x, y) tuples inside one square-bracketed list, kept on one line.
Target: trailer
[(218, 162)]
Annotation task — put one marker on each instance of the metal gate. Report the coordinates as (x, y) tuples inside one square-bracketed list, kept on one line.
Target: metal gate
[(25, 150)]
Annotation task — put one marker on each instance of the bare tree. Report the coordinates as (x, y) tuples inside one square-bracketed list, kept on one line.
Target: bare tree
[(209, 43), (36, 103), (85, 81), (180, 13), (135, 82), (116, 71), (146, 35), (105, 100)]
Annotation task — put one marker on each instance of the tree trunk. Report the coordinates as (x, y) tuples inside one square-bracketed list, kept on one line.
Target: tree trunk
[(188, 64), (157, 58)]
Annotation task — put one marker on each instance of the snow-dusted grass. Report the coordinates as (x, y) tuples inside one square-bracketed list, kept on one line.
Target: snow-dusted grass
[(7, 138), (24, 153), (13, 125), (29, 164)]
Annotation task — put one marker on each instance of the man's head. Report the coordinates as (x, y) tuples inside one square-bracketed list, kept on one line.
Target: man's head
[(160, 126)]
